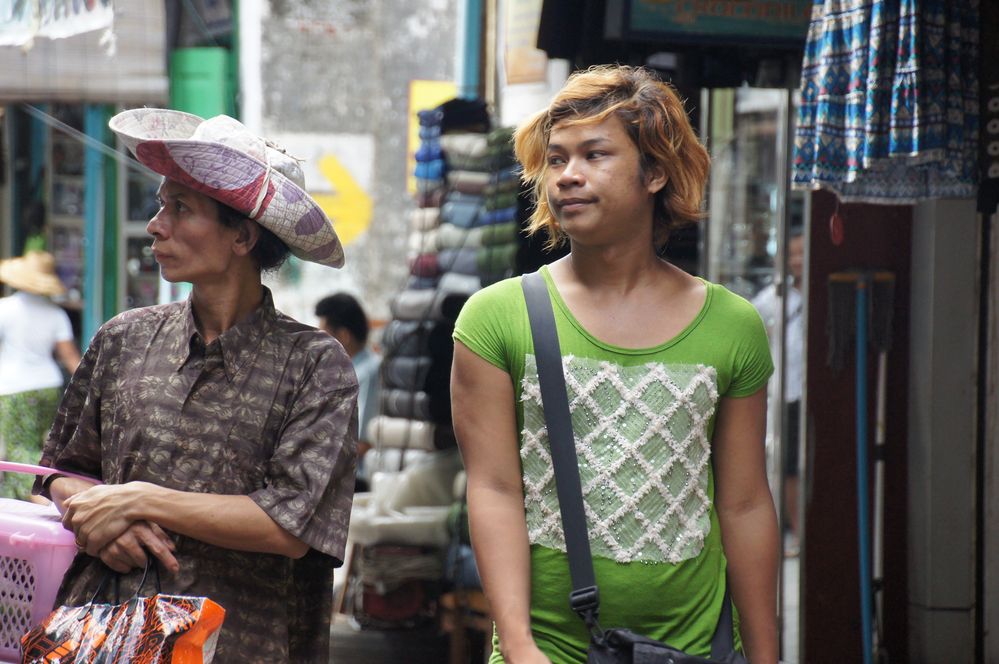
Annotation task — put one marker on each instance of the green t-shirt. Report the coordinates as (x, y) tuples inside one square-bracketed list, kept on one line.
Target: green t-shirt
[(643, 421)]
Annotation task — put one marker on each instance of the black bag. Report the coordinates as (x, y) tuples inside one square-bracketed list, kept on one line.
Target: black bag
[(626, 646), (622, 646), (612, 646)]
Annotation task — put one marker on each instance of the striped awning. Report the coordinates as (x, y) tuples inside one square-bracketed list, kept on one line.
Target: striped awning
[(124, 63)]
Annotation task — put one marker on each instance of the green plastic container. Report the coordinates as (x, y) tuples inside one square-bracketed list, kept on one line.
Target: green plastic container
[(200, 81)]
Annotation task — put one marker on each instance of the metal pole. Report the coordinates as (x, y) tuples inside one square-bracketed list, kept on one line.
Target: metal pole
[(93, 223), (468, 48), (863, 283)]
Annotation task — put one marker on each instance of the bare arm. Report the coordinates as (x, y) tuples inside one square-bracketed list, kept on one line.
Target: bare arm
[(68, 355), (101, 514), (128, 550), (748, 520), (482, 402)]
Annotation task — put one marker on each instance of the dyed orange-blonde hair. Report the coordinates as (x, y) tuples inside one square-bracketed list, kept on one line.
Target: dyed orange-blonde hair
[(657, 123)]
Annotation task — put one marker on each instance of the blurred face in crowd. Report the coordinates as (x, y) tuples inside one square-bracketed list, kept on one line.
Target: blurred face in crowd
[(189, 241), (796, 257), (341, 334)]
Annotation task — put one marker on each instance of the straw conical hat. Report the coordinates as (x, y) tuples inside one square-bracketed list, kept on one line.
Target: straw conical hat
[(33, 272)]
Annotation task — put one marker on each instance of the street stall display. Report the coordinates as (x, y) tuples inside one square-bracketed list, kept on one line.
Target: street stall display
[(411, 558), (399, 529)]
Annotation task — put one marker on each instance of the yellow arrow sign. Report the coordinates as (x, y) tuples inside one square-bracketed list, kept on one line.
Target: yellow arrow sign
[(349, 206)]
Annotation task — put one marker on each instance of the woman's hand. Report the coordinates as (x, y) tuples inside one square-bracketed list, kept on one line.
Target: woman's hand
[(130, 550), (100, 514), (529, 654)]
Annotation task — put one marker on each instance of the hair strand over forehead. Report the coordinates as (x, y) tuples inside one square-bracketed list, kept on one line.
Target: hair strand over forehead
[(656, 121)]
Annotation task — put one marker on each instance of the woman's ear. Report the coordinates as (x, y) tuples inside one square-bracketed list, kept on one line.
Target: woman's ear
[(655, 179), (246, 237)]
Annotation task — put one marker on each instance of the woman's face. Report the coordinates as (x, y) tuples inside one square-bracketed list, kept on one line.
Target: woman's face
[(189, 241), (595, 185)]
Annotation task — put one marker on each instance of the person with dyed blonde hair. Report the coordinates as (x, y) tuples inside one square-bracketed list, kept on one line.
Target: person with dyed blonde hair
[(666, 377), (654, 119)]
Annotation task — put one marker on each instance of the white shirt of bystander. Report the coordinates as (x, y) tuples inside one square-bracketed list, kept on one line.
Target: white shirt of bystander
[(30, 327)]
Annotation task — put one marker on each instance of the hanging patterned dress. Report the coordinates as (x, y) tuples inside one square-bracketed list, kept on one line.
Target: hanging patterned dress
[(889, 100)]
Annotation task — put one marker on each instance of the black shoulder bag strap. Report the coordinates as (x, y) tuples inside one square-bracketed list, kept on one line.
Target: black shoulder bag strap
[(584, 598)]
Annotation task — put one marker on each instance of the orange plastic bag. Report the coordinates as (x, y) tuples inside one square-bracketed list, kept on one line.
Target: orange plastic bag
[(162, 629)]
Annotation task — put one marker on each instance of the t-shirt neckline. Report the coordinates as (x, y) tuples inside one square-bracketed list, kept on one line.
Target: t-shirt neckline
[(558, 302)]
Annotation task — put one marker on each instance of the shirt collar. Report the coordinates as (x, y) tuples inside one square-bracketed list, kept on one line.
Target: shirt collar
[(238, 343), (182, 344)]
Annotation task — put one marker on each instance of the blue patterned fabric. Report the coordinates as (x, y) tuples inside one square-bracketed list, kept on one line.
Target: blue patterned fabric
[(429, 151), (429, 170), (501, 216), (889, 100)]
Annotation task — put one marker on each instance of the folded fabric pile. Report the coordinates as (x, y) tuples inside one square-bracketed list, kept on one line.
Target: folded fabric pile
[(466, 157), (415, 408), (500, 223), (429, 172)]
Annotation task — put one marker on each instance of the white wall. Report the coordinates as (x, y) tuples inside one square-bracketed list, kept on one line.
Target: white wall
[(943, 362), (334, 81)]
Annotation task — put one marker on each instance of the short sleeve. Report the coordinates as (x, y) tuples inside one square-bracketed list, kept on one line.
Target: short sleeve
[(64, 328), (74, 441), (310, 475), (484, 322), (753, 363)]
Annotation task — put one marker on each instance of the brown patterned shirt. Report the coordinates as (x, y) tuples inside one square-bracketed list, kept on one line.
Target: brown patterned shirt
[(268, 410)]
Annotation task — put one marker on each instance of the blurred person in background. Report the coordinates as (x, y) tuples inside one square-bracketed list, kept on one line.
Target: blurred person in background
[(34, 333), (769, 303), (342, 317), (223, 431)]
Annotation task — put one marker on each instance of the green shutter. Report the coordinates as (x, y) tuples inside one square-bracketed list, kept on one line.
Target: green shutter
[(200, 81)]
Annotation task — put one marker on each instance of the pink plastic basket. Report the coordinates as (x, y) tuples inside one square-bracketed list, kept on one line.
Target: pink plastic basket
[(35, 551)]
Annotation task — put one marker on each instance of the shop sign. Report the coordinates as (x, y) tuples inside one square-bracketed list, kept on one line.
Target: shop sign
[(523, 61), (774, 22), (990, 137), (988, 195), (21, 21)]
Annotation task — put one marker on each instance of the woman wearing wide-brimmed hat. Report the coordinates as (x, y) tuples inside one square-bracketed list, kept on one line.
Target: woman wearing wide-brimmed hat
[(224, 431), (34, 332)]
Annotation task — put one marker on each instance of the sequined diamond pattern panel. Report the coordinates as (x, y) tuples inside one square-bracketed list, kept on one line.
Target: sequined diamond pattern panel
[(642, 444)]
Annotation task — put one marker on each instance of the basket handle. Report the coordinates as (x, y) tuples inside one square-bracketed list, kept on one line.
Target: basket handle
[(42, 471)]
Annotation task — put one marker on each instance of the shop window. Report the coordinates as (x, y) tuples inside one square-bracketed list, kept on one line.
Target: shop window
[(65, 195), (141, 272), (755, 246)]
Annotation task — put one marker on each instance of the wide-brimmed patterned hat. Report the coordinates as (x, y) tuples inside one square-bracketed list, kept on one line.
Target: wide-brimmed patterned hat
[(223, 159), (34, 272)]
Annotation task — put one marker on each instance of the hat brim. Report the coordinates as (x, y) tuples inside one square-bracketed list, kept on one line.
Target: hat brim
[(39, 284), (160, 140)]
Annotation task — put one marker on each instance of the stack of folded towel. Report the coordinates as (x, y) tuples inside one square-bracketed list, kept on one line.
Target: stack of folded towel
[(467, 159), (497, 254), (430, 186), (451, 173)]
